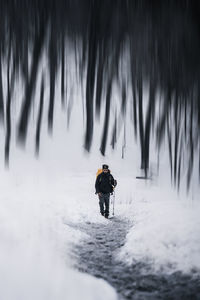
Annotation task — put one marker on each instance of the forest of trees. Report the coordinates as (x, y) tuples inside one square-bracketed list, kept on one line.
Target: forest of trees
[(132, 44)]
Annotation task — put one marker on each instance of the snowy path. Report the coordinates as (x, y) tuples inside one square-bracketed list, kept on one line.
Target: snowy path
[(96, 256), (46, 215)]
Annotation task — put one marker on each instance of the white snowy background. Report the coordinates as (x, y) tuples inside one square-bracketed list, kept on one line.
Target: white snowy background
[(41, 196)]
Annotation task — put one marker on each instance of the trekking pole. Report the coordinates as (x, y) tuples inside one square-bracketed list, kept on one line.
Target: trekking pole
[(113, 202)]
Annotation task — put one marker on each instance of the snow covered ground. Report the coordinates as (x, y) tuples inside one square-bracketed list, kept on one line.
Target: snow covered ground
[(166, 230), (36, 240), (41, 197)]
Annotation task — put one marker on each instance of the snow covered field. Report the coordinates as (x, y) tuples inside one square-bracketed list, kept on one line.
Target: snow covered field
[(38, 200), (35, 240), (40, 197), (165, 232)]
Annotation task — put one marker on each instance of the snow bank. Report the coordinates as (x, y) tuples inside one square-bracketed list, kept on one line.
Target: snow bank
[(166, 229), (37, 207)]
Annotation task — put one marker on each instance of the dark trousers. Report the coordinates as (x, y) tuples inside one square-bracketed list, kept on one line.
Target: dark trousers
[(104, 200)]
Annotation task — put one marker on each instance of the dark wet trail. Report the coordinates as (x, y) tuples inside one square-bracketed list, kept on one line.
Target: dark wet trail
[(97, 256)]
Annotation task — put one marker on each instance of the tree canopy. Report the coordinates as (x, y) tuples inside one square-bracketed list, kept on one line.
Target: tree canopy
[(132, 44)]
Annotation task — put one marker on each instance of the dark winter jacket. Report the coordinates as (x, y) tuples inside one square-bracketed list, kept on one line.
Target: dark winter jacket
[(104, 183)]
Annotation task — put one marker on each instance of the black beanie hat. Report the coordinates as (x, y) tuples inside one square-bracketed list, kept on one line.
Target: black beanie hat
[(105, 167)]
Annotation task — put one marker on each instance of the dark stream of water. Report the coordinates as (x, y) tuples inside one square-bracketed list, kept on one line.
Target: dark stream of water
[(97, 256)]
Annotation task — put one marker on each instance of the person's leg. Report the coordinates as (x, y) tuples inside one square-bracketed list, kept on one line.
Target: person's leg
[(107, 202), (101, 204)]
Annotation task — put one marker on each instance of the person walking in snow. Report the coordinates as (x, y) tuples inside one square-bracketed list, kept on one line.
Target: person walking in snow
[(104, 187)]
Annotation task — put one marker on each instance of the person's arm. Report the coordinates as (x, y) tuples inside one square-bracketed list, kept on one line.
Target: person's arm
[(97, 184), (112, 181)]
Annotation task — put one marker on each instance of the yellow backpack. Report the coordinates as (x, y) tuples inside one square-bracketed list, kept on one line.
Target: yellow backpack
[(99, 172)]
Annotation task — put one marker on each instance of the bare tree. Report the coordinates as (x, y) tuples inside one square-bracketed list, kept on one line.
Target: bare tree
[(159, 43)]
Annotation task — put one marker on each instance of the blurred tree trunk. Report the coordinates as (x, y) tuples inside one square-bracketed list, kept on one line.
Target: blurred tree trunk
[(10, 87), (31, 81), (106, 119), (37, 139), (1, 94)]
